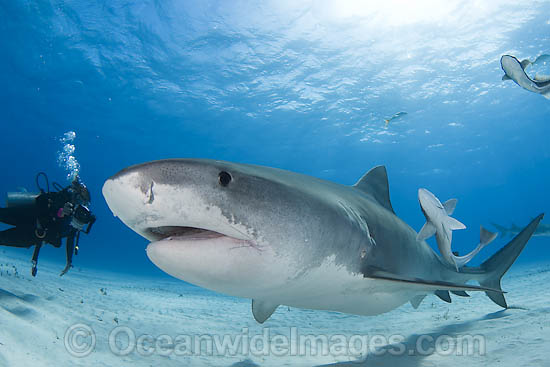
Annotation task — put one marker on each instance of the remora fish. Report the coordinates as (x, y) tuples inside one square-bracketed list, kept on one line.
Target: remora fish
[(282, 238)]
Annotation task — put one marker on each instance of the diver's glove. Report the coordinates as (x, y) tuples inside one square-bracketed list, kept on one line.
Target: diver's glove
[(67, 209)]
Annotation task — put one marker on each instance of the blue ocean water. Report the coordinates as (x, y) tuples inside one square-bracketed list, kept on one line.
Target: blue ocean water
[(304, 86)]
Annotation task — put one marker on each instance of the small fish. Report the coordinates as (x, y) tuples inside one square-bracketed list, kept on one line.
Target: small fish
[(396, 116)]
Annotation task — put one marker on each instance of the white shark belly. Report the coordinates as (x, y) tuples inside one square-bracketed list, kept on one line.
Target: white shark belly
[(334, 288)]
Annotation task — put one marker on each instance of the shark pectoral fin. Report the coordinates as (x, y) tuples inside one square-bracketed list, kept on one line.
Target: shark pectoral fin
[(427, 231), (453, 224), (417, 300), (525, 63), (485, 236), (450, 206), (460, 293), (263, 310), (506, 77), (444, 295), (423, 284)]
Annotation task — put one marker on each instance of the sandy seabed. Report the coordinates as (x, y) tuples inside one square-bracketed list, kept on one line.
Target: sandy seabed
[(96, 318)]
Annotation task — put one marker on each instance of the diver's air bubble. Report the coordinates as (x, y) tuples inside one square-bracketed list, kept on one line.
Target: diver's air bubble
[(66, 158)]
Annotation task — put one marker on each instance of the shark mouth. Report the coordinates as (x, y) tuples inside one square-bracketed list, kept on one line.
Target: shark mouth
[(178, 232)]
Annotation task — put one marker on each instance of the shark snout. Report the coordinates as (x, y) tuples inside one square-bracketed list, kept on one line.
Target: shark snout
[(425, 198)]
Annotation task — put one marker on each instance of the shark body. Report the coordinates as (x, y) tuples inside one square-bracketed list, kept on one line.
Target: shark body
[(440, 223), (282, 238), (515, 70)]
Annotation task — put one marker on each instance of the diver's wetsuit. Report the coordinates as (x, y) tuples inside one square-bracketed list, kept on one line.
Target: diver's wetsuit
[(23, 234), (43, 221)]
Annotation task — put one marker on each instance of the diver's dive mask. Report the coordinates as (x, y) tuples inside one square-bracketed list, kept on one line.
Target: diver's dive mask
[(82, 194)]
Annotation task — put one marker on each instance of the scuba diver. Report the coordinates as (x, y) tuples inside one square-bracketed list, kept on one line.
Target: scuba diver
[(47, 217)]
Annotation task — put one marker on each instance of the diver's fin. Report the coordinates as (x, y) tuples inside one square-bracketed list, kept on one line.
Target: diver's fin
[(497, 265), (460, 293), (417, 300), (444, 295), (427, 231), (375, 183), (506, 77), (525, 63), (263, 310), (422, 284), (453, 224), (450, 206)]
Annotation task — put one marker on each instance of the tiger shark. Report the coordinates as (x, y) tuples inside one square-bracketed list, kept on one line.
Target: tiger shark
[(515, 70), (283, 238)]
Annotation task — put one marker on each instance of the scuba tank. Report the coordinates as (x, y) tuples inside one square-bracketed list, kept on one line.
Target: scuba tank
[(20, 198), (25, 198)]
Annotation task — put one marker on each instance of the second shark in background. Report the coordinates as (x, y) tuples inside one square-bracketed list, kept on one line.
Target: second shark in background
[(543, 230)]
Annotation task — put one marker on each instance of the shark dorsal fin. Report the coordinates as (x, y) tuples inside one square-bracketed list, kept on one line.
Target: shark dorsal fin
[(525, 63), (375, 183), (450, 206)]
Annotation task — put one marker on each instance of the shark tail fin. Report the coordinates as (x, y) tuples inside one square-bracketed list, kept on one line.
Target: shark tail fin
[(485, 236), (498, 264)]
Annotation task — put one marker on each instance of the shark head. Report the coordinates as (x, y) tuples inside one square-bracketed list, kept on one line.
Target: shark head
[(511, 66), (430, 204), (233, 228)]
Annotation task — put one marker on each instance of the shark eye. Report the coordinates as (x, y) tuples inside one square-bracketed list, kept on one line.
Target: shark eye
[(224, 178)]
